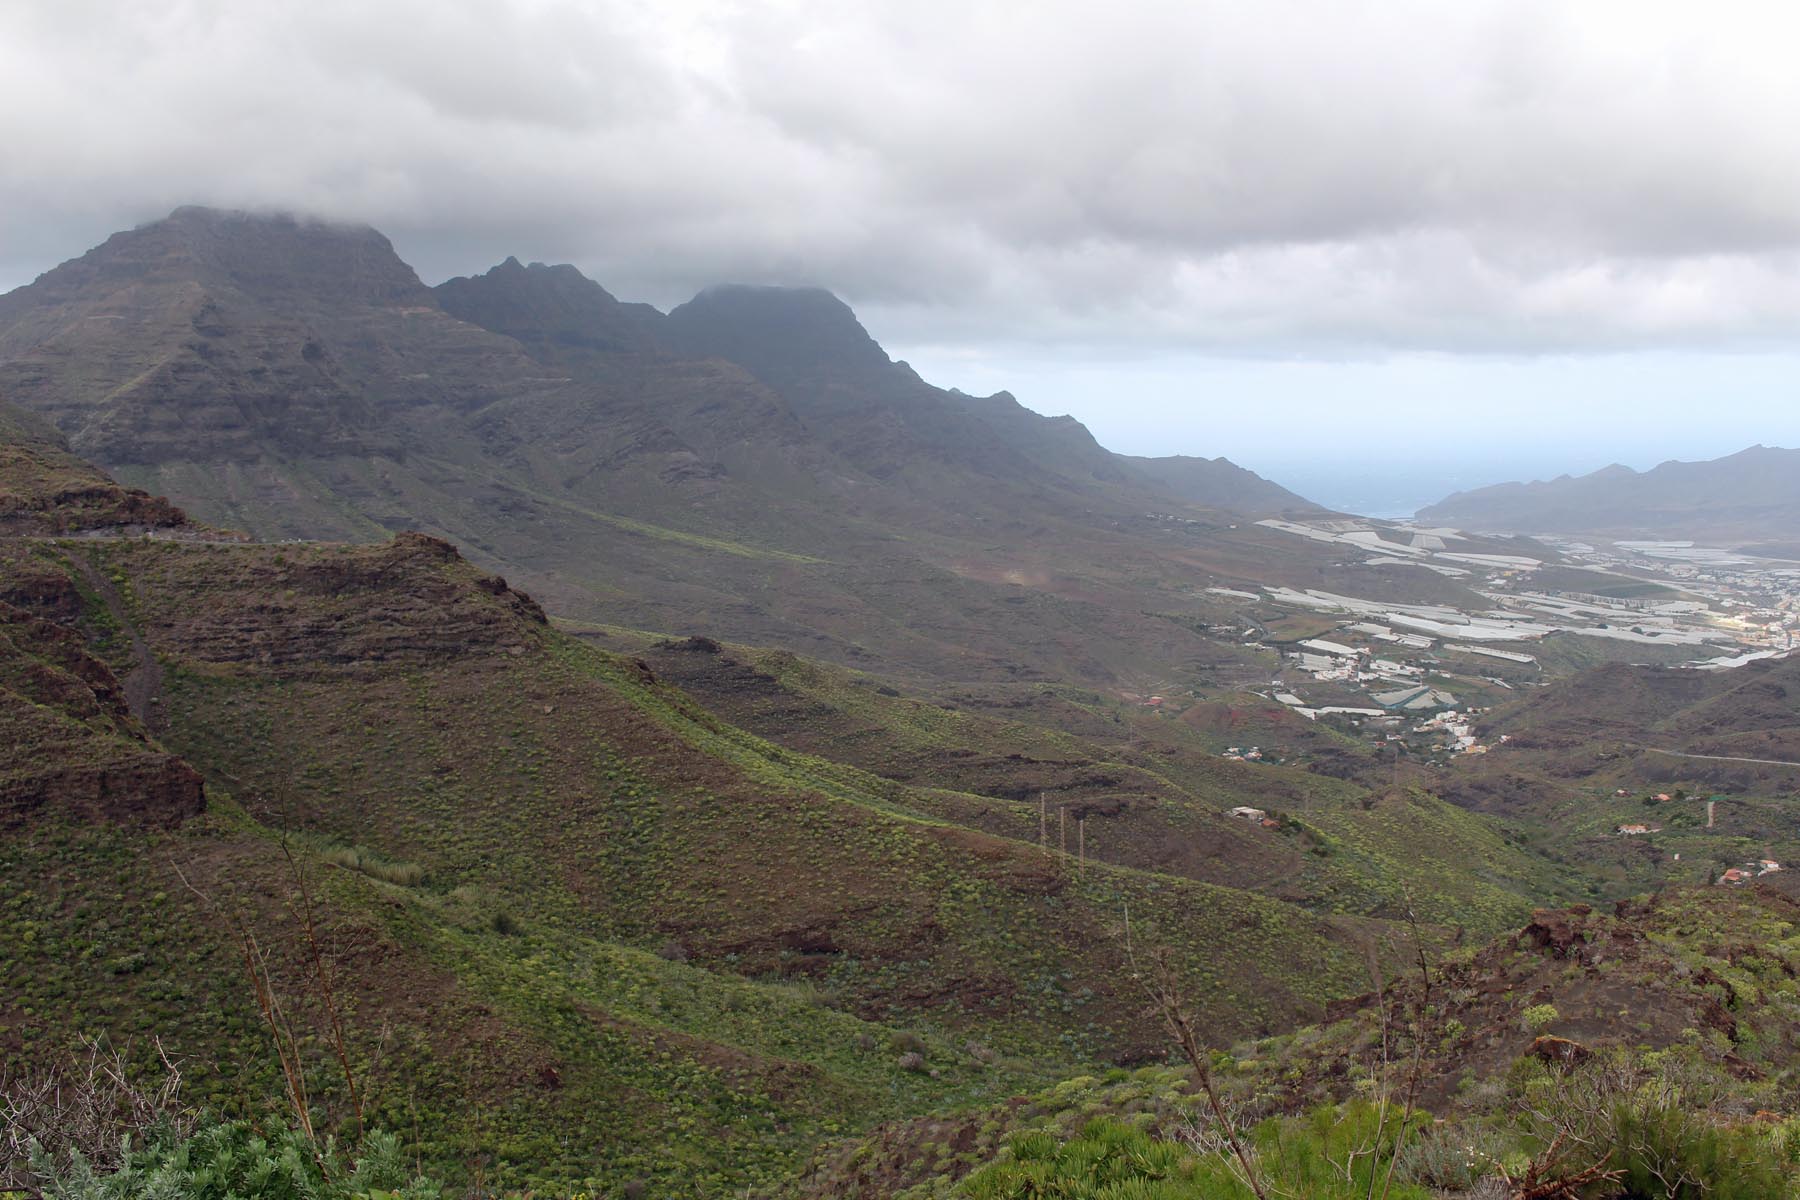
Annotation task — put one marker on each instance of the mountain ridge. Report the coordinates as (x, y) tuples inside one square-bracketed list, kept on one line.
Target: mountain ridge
[(1750, 495), (614, 459)]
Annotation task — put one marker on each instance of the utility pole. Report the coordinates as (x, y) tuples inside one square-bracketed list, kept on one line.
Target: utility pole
[(1062, 826), (1081, 840), (1043, 821)]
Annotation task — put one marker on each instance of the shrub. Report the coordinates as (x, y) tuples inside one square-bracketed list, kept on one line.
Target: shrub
[(233, 1159), (86, 1109), (1322, 1156), (906, 1043), (403, 874), (1646, 1117), (1108, 1158), (1450, 1157), (1539, 1017), (1669, 1151)]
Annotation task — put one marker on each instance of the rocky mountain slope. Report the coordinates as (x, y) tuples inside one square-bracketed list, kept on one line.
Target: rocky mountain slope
[(751, 465), (1751, 496)]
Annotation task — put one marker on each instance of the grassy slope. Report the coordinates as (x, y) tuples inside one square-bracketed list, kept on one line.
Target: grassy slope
[(1151, 797), (1697, 982), (573, 816), (537, 1053), (598, 932)]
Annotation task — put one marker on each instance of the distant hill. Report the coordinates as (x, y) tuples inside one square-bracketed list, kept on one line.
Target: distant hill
[(1747, 712), (1219, 482), (751, 465), (1753, 495), (1592, 753)]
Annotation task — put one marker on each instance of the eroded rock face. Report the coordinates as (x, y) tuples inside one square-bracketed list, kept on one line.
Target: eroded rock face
[(1559, 933), (155, 789), (46, 491), (70, 744), (302, 608), (84, 509), (69, 747), (36, 587)]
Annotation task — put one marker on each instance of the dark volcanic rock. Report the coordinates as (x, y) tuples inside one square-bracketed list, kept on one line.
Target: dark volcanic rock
[(303, 608), (72, 749), (227, 337), (46, 491), (550, 308), (154, 789), (776, 331), (752, 464)]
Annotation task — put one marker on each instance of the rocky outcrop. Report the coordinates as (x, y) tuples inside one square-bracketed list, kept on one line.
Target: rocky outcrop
[(86, 509), (46, 491), (69, 748), (153, 789), (324, 607), (219, 337)]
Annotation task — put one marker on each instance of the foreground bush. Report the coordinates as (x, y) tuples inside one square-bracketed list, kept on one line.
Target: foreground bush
[(1332, 1154), (233, 1161)]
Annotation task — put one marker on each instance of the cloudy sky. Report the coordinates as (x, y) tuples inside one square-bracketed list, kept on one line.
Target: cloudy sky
[(1352, 242)]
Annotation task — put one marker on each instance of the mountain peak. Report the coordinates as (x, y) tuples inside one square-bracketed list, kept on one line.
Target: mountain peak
[(263, 253), (541, 304), (775, 329)]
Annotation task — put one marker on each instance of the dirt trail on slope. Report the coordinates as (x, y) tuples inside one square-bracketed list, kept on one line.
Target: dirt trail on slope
[(144, 682), (1767, 762)]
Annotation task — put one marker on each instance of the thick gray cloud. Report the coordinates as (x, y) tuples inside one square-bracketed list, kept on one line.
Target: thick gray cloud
[(1274, 178)]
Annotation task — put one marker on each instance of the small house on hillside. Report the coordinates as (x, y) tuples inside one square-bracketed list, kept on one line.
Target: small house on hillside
[(1245, 813)]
